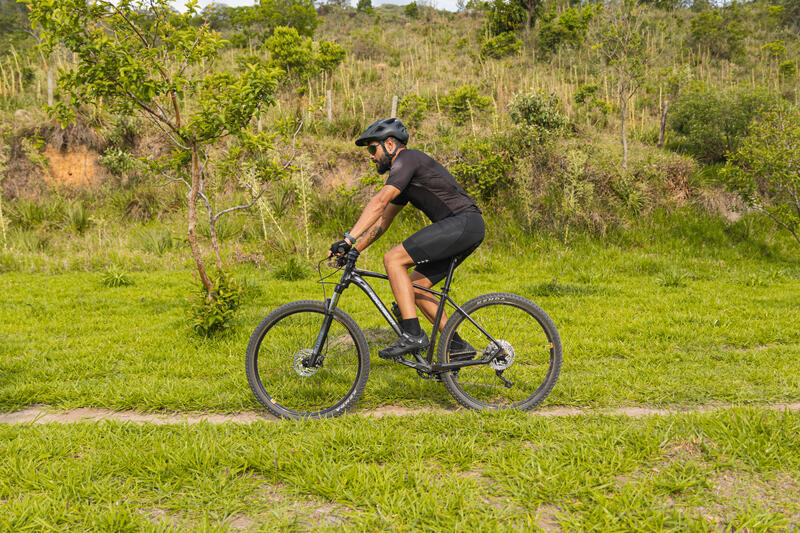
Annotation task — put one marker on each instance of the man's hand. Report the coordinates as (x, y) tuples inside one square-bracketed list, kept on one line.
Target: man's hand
[(339, 248)]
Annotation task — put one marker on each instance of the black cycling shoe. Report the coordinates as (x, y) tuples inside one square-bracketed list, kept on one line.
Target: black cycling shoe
[(461, 350), (405, 344)]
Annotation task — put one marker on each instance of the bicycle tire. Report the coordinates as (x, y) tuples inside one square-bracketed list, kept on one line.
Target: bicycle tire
[(542, 370), (327, 392)]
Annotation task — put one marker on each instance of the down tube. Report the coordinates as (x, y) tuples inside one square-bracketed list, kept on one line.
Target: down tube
[(364, 286)]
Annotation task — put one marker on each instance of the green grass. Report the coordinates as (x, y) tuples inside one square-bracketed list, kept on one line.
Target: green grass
[(726, 333), (731, 470)]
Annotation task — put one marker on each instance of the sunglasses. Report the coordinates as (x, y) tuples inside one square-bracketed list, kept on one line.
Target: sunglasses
[(372, 148)]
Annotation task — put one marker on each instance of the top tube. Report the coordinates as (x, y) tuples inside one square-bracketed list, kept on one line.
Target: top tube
[(370, 274)]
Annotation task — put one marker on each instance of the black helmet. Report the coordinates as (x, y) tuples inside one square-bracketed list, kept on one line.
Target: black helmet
[(382, 130)]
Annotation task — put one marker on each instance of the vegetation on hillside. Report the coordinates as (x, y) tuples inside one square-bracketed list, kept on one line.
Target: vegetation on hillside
[(563, 118)]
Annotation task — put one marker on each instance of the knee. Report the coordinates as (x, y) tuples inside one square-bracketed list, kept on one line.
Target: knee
[(393, 258)]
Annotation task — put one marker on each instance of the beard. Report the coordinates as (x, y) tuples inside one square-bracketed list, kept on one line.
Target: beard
[(383, 164)]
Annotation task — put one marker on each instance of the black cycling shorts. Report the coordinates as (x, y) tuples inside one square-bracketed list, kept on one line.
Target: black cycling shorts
[(434, 246)]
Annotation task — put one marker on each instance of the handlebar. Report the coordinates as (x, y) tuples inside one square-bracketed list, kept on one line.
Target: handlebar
[(348, 259)]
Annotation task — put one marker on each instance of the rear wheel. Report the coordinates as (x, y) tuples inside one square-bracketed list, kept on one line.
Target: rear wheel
[(531, 359), (288, 388)]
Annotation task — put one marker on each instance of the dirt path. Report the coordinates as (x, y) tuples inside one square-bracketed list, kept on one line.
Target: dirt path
[(42, 414)]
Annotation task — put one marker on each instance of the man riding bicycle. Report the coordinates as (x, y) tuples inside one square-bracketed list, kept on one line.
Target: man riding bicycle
[(457, 229)]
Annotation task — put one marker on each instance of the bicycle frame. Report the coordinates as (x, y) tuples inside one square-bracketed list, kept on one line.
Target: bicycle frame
[(356, 277)]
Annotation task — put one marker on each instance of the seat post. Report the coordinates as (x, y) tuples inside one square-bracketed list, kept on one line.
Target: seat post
[(450, 271)]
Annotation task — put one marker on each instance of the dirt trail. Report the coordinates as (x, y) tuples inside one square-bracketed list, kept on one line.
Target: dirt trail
[(42, 414)]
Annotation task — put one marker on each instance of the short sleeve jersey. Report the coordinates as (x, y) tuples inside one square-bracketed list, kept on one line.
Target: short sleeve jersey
[(428, 186)]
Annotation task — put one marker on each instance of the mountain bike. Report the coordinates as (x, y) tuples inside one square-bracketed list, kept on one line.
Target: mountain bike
[(309, 359)]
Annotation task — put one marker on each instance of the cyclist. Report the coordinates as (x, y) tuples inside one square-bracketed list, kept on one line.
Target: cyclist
[(457, 229)]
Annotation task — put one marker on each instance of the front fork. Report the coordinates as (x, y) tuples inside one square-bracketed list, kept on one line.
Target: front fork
[(316, 357)]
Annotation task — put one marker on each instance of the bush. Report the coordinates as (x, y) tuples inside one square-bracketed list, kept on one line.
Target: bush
[(482, 169), (537, 109), (292, 270), (118, 161), (711, 122), (158, 241), (114, 277), (76, 217), (213, 313), (567, 29), (412, 10), (364, 5), (591, 109), (765, 170), (464, 103), (412, 109), (505, 17), (503, 45), (29, 214), (719, 33)]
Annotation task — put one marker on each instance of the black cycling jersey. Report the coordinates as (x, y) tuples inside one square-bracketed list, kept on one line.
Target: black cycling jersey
[(428, 186)]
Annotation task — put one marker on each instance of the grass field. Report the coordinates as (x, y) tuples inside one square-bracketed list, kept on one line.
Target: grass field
[(652, 325), (735, 470), (678, 320)]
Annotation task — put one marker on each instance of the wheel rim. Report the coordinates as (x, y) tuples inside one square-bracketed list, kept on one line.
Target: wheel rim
[(304, 391), (528, 363)]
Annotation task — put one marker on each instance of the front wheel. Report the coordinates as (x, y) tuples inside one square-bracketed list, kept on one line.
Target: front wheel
[(531, 353), (288, 388)]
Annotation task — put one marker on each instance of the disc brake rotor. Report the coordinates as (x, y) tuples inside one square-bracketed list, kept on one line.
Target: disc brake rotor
[(502, 361), (302, 370)]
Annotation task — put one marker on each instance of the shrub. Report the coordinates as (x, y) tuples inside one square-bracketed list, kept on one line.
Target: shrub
[(787, 70), (503, 45), (364, 5), (114, 277), (482, 169), (158, 241), (118, 161), (719, 33), (464, 103), (537, 109), (567, 29), (591, 109), (29, 214), (505, 17), (212, 313), (292, 270), (77, 218), (412, 10), (711, 122), (412, 109), (336, 211), (138, 204), (765, 169)]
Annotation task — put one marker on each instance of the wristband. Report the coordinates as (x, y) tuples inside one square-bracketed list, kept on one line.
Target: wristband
[(350, 238)]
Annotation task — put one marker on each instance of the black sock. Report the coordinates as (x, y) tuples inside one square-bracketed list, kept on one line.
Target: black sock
[(411, 326)]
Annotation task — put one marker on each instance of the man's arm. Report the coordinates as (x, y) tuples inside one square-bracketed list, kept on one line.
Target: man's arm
[(380, 227), (374, 210)]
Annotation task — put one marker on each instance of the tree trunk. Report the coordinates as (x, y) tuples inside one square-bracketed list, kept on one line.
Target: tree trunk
[(192, 230), (664, 105), (623, 105), (212, 225)]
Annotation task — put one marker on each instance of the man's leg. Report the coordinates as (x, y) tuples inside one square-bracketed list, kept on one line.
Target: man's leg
[(397, 262), (427, 302)]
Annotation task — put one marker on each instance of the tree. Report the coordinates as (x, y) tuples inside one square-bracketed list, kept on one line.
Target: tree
[(765, 169), (364, 5), (621, 45), (140, 57)]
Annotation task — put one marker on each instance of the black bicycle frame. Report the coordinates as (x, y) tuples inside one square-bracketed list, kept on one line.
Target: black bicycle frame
[(356, 276)]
